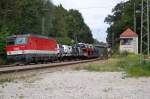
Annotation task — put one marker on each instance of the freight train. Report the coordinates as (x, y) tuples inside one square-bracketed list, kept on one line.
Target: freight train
[(30, 48)]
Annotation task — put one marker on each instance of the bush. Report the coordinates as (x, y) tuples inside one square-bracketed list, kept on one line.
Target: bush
[(137, 71), (131, 64), (122, 54), (65, 41)]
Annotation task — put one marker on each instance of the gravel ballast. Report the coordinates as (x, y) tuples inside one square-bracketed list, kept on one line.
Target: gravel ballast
[(77, 85)]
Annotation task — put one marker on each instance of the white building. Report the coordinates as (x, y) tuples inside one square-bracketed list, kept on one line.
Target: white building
[(129, 41)]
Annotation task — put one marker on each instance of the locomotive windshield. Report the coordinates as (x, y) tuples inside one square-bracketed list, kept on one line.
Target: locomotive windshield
[(17, 40)]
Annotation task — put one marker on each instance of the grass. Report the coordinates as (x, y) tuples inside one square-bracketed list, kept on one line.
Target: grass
[(4, 80), (138, 70), (9, 78), (110, 66), (129, 63)]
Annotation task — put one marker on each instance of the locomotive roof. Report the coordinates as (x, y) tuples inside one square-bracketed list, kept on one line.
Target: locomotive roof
[(101, 46), (27, 35)]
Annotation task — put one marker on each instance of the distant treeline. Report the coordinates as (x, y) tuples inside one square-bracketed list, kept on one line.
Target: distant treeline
[(42, 17)]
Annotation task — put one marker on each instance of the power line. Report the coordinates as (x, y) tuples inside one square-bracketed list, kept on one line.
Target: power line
[(95, 7)]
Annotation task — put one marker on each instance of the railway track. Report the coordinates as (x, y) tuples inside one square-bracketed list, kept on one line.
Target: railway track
[(10, 69)]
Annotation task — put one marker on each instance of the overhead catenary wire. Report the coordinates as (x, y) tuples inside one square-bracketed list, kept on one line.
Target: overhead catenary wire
[(94, 7)]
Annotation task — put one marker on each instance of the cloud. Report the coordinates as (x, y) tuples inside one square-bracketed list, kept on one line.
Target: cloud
[(93, 12)]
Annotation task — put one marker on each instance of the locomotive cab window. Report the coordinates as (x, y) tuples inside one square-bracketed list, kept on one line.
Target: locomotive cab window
[(21, 40), (16, 41)]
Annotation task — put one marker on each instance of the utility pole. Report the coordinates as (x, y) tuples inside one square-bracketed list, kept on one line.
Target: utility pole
[(141, 42), (144, 45), (134, 17), (43, 17), (148, 34), (43, 25), (76, 38)]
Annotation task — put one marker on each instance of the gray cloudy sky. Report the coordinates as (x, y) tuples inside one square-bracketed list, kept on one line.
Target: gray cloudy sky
[(93, 12)]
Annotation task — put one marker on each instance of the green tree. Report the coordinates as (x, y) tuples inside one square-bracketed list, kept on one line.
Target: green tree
[(77, 29), (26, 16), (122, 18), (59, 23)]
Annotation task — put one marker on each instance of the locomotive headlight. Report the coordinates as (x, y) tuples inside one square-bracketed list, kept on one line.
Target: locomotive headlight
[(9, 53)]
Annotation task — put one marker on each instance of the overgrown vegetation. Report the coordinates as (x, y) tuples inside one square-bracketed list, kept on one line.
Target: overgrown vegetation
[(131, 64), (125, 62)]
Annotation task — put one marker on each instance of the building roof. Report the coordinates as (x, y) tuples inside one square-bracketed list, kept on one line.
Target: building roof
[(128, 33)]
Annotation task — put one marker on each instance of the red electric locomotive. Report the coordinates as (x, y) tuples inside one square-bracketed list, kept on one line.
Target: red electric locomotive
[(31, 48)]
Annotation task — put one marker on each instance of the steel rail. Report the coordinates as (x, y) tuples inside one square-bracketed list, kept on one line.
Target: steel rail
[(10, 69)]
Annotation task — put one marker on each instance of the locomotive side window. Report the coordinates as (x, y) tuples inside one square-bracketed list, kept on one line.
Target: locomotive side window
[(11, 41)]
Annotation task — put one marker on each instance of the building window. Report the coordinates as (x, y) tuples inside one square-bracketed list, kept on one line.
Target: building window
[(126, 41)]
